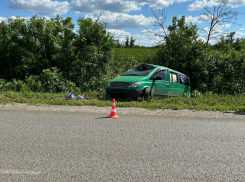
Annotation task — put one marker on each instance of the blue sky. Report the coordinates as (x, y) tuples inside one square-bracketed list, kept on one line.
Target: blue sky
[(125, 18)]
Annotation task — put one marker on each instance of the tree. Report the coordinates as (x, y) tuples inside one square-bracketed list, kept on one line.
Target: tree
[(230, 38), (65, 51), (132, 42), (117, 43), (12, 47), (127, 42), (29, 46), (160, 23), (93, 50), (218, 16), (181, 50), (44, 43), (229, 42), (178, 46)]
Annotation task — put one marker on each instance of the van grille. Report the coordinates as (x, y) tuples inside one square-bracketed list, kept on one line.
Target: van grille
[(119, 85)]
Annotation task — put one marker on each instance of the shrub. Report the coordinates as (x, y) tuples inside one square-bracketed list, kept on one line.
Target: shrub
[(49, 81)]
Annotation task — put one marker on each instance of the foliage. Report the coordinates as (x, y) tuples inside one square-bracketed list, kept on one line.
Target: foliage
[(127, 42), (126, 58), (182, 56), (93, 50), (225, 72), (206, 101), (15, 85), (49, 81), (29, 46), (219, 69), (132, 42), (42, 54)]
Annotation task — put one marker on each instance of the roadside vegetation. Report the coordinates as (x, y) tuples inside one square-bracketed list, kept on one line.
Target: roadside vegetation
[(42, 60), (208, 101)]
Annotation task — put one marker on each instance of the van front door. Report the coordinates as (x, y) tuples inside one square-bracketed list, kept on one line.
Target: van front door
[(161, 85)]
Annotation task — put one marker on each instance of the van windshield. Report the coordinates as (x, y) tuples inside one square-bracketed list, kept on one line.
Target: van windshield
[(142, 70)]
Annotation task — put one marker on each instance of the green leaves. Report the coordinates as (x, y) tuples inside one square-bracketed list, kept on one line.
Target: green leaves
[(93, 50), (87, 57), (219, 68), (49, 81)]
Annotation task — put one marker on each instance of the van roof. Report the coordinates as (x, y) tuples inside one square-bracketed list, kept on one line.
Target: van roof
[(163, 67)]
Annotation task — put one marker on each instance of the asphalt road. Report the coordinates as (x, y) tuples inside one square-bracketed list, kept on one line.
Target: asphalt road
[(75, 146)]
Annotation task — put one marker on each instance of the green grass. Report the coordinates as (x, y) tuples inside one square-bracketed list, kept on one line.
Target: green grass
[(137, 53), (210, 102)]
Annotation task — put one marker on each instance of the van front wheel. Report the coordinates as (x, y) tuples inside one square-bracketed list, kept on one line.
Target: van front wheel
[(146, 93)]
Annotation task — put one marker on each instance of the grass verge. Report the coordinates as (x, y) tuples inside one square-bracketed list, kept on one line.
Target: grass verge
[(208, 101)]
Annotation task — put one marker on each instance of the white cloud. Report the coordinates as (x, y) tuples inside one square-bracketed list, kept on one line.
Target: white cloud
[(159, 3), (219, 29), (42, 7), (224, 27), (121, 20), (239, 34), (52, 7), (218, 32), (197, 19), (155, 37), (197, 5), (150, 32), (200, 4), (236, 3), (13, 17), (119, 34), (95, 6), (141, 39), (241, 29), (119, 6), (3, 19)]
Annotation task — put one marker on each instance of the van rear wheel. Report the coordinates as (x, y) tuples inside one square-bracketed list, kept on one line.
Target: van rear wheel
[(146, 93)]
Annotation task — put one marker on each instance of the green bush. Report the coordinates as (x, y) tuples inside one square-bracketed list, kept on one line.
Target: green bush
[(209, 68), (15, 85), (49, 81)]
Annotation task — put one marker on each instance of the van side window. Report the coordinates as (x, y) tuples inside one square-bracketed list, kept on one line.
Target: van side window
[(183, 80), (161, 74), (173, 77)]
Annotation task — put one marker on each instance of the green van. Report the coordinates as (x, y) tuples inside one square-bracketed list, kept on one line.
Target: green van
[(149, 80)]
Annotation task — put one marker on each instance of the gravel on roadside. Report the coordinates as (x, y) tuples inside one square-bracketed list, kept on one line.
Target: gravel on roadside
[(124, 110)]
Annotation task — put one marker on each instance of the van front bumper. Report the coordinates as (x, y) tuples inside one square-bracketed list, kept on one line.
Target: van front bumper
[(123, 92)]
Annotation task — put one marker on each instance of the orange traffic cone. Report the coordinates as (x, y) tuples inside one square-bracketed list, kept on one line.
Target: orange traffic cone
[(113, 110)]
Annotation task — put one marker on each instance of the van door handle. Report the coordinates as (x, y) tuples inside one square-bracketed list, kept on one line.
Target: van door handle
[(167, 84)]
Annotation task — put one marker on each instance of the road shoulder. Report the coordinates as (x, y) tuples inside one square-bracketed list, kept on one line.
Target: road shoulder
[(124, 110)]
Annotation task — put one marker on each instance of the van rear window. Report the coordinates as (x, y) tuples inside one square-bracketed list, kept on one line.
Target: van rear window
[(142, 70)]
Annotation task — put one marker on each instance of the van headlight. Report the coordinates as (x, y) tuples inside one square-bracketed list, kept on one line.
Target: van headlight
[(109, 84), (134, 85)]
